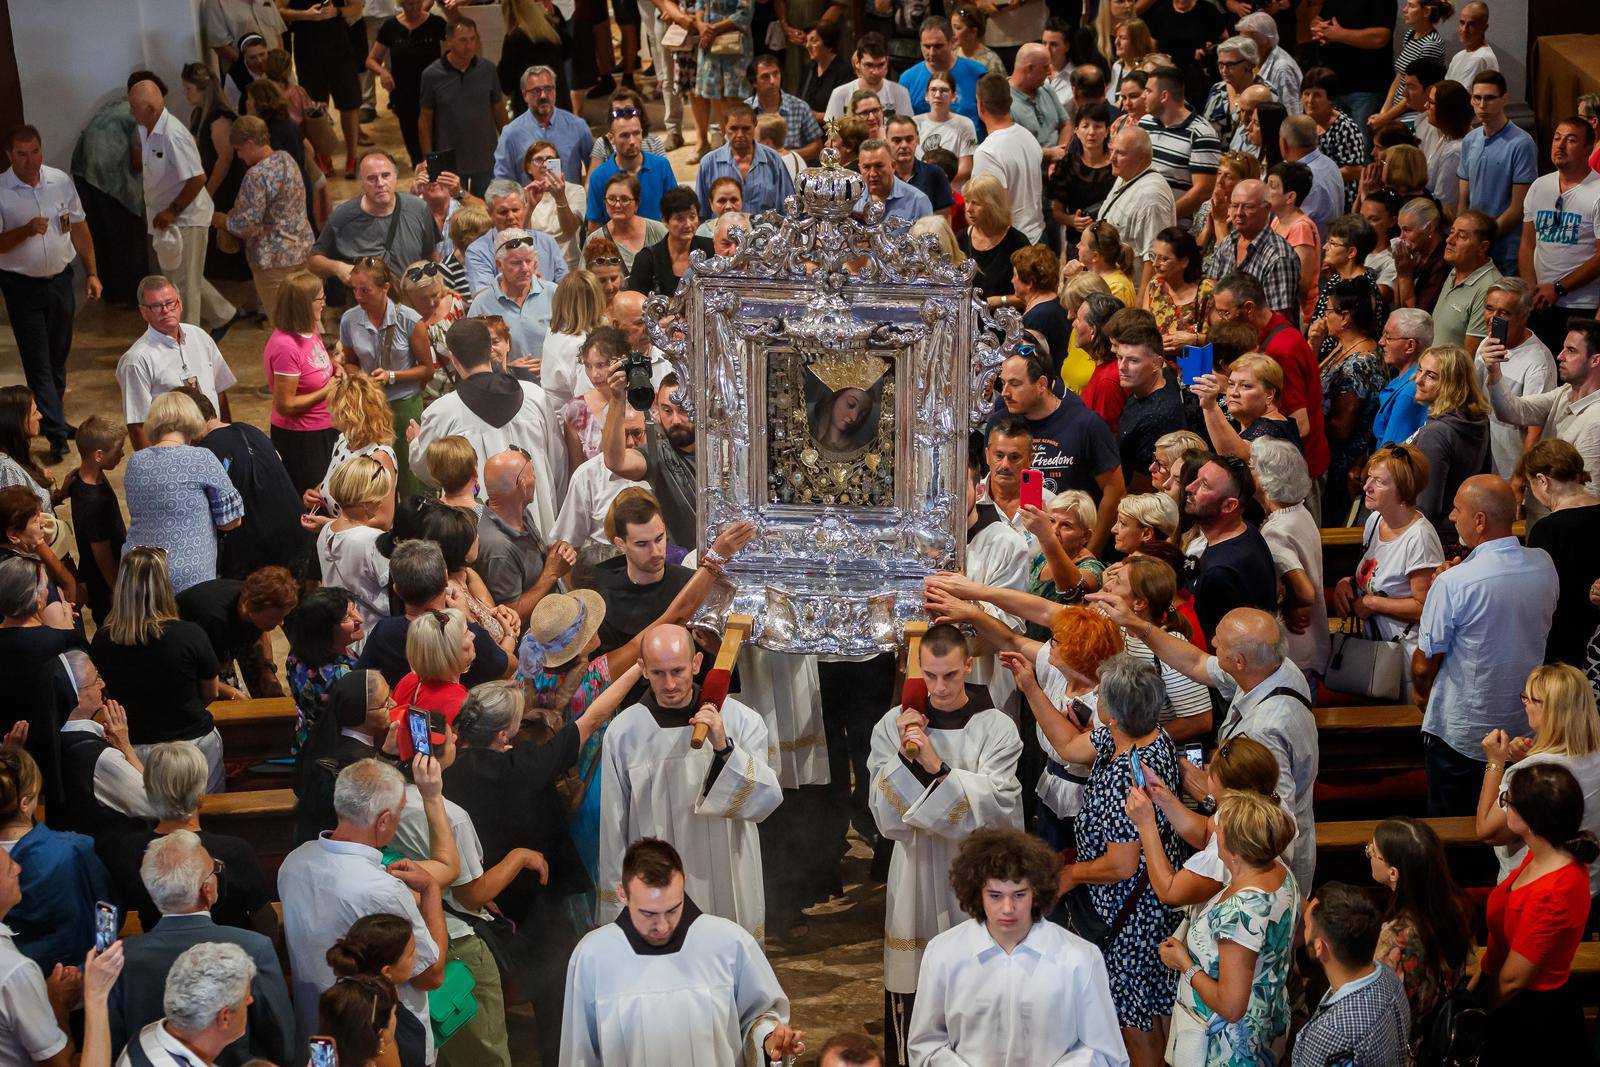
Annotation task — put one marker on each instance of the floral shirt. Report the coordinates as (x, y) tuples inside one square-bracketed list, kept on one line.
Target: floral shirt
[(269, 214), (1258, 920), (1400, 949), (311, 687), (1172, 317)]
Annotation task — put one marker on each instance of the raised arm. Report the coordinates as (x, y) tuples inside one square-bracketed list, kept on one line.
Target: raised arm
[(620, 460)]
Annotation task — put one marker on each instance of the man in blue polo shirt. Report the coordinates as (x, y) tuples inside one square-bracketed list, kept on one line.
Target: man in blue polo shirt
[(1498, 163), (519, 296), (543, 121), (1407, 334), (899, 199), (507, 208), (939, 57), (763, 178), (654, 172)]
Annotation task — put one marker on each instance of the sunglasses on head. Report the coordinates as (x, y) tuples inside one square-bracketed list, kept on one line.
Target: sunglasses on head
[(423, 270), (627, 111), (517, 242)]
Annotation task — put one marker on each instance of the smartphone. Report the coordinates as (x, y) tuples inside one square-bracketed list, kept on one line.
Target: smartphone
[(1499, 328), (441, 162), (323, 1052), (1032, 488), (553, 166), (1135, 762), (1195, 755), (421, 732), (105, 925)]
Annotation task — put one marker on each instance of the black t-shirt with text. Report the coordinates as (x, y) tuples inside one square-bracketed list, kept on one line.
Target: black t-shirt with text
[(1072, 446)]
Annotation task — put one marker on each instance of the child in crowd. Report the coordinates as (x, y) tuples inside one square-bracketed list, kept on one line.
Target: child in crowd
[(96, 512)]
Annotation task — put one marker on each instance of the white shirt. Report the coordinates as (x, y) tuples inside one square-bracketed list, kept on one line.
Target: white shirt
[(561, 371), (171, 158), (1014, 157), (1562, 242), (1296, 544), (28, 1030), (1467, 65), (1386, 567), (589, 495), (1047, 1001), (326, 885), (955, 135), (891, 94), (1139, 210), (413, 840), (156, 363), (52, 197), (351, 561), (1529, 368), (547, 219), (116, 784)]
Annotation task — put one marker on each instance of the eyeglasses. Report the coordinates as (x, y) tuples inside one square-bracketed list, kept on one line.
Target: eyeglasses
[(423, 270), (165, 305), (1528, 698), (1504, 799), (607, 261), (1371, 850), (619, 201), (1226, 64), (540, 90)]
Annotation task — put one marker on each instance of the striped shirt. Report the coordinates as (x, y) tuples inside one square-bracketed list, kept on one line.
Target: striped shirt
[(1179, 152), (1428, 46)]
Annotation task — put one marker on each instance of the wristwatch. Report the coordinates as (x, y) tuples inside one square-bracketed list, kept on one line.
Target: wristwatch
[(1561, 290), (1189, 973)]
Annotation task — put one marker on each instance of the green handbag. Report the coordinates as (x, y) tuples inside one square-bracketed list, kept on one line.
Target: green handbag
[(452, 1005)]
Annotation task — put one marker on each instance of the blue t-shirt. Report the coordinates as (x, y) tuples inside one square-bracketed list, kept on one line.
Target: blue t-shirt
[(655, 177), (966, 73), (1399, 414), (1493, 165)]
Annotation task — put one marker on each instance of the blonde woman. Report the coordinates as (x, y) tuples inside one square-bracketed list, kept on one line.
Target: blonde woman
[(576, 310), (1566, 729), (989, 238), (1079, 366), (157, 666), (453, 464), (1063, 570), (375, 337), (178, 495), (467, 223), (1254, 386), (1131, 41), (362, 417), (1166, 462), (1143, 518), (938, 227), (1101, 251), (1455, 439), (1112, 14), (439, 649), (423, 288), (347, 548)]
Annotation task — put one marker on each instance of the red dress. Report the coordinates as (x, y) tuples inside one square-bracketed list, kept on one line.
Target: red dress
[(1543, 922)]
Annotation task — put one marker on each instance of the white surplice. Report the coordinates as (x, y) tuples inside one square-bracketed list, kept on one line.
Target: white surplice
[(710, 1001), (997, 555), (531, 429), (1046, 1004), (786, 688), (652, 784), (928, 822)]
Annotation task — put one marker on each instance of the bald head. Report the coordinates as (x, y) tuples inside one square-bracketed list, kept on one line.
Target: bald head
[(670, 662), (146, 103), (1485, 508), (1031, 68), (503, 472), (666, 643), (1254, 96), (1130, 152), (627, 315), (1249, 643)]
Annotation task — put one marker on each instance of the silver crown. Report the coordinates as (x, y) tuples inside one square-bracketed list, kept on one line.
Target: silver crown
[(829, 191)]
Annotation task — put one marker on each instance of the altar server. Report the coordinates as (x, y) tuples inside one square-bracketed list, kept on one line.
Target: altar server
[(705, 802), (665, 984), (1006, 988), (961, 777)]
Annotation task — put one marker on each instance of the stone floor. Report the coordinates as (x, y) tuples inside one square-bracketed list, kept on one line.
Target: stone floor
[(833, 975)]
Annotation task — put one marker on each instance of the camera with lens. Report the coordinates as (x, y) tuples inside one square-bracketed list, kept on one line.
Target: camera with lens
[(641, 387)]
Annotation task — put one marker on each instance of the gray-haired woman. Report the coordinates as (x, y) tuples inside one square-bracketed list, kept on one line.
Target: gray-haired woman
[(32, 632), (174, 781), (1109, 877), (1283, 484), (519, 793)]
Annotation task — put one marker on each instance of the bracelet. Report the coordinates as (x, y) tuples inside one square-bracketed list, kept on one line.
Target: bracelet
[(715, 558), (1192, 970), (1493, 766)]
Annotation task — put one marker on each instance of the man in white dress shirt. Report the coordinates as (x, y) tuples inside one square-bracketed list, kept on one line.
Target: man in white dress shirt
[(705, 802), (961, 776), (42, 228), (1044, 993), (175, 197), (207, 998), (665, 984), (170, 353), (118, 773), (33, 1011), (582, 522)]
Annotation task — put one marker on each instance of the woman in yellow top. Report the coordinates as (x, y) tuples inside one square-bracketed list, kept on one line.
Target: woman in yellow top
[(1079, 365), (1101, 250)]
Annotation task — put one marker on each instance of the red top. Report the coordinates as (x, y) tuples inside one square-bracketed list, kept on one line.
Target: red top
[(411, 692), (1542, 922), (1302, 386), (1103, 394)]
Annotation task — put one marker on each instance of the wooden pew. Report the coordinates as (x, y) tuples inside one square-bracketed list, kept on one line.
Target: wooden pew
[(1454, 832), (263, 817), (1383, 718), (255, 730), (1341, 851)]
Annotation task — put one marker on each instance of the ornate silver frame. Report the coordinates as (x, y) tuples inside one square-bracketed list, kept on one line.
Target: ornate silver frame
[(818, 282)]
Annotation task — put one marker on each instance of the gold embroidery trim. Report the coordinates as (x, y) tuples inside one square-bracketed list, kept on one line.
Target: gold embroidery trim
[(809, 741), (958, 811), (746, 787), (904, 944), (891, 796)]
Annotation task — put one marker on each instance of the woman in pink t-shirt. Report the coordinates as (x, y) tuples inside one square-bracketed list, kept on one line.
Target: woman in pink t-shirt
[(302, 376)]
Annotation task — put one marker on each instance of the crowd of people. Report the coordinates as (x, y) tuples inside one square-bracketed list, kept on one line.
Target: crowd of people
[(482, 549)]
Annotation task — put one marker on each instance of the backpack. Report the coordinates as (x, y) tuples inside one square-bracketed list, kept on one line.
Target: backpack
[(1452, 1034)]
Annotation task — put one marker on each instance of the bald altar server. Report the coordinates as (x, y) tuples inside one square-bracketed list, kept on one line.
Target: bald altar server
[(1006, 988), (997, 555), (665, 985), (962, 777), (705, 802)]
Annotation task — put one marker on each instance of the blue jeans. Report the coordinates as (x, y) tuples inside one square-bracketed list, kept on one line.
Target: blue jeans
[(1360, 106), (1454, 780)]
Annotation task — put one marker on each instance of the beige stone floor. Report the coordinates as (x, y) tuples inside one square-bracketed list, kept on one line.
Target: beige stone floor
[(833, 976)]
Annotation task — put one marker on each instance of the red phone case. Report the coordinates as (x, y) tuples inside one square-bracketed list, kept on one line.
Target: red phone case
[(1032, 493)]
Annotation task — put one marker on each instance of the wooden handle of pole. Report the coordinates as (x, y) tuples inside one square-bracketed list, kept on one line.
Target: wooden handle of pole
[(715, 691), (914, 634)]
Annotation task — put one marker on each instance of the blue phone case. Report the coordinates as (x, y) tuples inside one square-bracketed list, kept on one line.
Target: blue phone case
[(1195, 361), (1138, 767)]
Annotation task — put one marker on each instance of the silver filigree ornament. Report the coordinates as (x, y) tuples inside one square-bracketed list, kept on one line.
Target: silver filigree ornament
[(845, 296)]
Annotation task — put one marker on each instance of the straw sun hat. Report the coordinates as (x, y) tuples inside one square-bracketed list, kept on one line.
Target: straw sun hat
[(561, 627)]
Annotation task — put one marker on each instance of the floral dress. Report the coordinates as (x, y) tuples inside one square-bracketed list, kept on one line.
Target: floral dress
[(1400, 948), (541, 684), (1380, 306), (1362, 375), (1141, 985), (311, 687), (1045, 588), (1181, 318), (1254, 919), (721, 77), (580, 417)]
